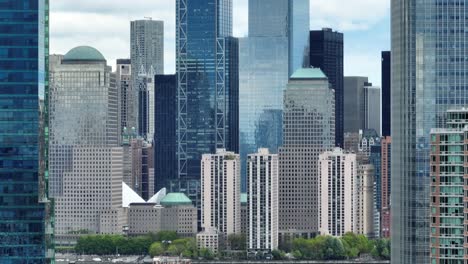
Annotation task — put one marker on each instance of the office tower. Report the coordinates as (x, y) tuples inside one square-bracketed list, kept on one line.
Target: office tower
[(146, 104), (336, 184), (86, 162), (262, 200), (309, 130), (165, 143), (207, 87), (423, 87), (386, 180), (268, 56), (364, 201), (128, 102), (26, 217), (372, 108), (326, 53), (351, 142), (448, 182), (147, 58), (375, 159), (220, 191), (361, 105), (386, 93)]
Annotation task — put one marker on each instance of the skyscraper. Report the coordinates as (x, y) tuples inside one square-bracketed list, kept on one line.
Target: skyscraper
[(364, 201), (326, 53), (386, 180), (86, 162), (220, 190), (372, 108), (386, 93), (362, 105), (276, 46), (128, 102), (165, 143), (207, 88), (337, 184), (428, 77), (262, 201), (25, 220), (448, 189), (309, 130), (147, 58)]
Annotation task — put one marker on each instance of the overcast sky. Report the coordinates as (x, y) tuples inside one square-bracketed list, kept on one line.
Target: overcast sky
[(105, 25)]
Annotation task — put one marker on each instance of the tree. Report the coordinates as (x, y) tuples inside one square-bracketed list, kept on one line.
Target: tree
[(156, 249), (278, 254), (237, 241), (207, 254)]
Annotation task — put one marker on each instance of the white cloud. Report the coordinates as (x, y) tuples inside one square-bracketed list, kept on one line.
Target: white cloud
[(105, 24), (346, 15)]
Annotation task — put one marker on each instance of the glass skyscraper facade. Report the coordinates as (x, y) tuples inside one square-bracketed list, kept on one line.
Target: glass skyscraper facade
[(276, 46), (326, 53), (386, 93), (429, 76), (25, 215), (207, 88), (165, 144)]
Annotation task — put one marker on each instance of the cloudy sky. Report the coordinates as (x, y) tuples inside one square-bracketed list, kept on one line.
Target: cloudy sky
[(105, 25)]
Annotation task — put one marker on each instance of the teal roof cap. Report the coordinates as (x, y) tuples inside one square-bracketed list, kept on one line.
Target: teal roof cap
[(174, 199), (84, 53), (243, 198), (309, 73)]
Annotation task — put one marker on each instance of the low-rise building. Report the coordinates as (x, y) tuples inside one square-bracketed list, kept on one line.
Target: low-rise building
[(209, 238), (175, 212)]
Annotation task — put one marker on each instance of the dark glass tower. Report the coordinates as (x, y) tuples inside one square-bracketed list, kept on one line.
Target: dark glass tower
[(386, 93), (25, 227), (326, 53), (165, 144), (206, 58)]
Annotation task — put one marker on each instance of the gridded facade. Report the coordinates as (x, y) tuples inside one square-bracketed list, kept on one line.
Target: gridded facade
[(262, 201), (326, 53), (92, 194), (128, 102), (86, 162), (147, 59), (139, 166), (449, 221), (209, 238), (429, 76), (147, 217), (353, 104), (221, 207), (25, 227), (372, 108), (337, 185), (386, 181), (207, 87), (308, 131)]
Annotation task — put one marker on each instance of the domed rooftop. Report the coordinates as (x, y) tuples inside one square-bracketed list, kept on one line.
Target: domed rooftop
[(84, 53)]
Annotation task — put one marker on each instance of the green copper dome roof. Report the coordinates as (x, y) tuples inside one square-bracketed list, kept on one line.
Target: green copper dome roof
[(175, 199), (84, 53), (309, 73)]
